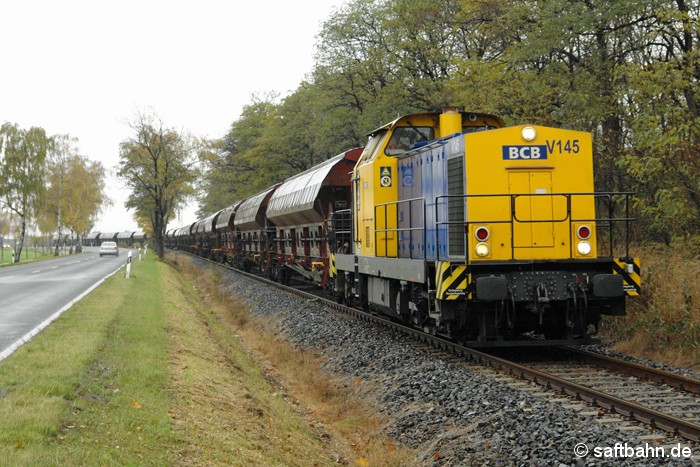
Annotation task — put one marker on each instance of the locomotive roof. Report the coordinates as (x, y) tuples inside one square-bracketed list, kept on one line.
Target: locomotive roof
[(435, 114)]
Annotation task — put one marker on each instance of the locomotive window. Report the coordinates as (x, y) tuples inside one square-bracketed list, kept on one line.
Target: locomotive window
[(403, 138), (373, 143)]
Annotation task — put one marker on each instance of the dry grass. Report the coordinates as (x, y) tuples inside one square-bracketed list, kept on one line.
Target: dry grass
[(664, 322), (224, 409), (351, 429)]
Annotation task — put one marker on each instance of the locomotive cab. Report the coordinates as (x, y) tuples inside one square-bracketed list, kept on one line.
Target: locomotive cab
[(375, 180)]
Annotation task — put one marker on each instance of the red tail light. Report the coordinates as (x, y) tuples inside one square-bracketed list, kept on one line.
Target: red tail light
[(583, 232), (482, 234)]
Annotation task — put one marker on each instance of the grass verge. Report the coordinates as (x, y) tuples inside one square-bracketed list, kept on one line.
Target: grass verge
[(89, 388), (140, 372), (30, 255), (352, 430), (663, 323), (226, 411)]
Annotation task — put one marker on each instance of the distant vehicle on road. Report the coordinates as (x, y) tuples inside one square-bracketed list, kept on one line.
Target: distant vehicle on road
[(109, 248)]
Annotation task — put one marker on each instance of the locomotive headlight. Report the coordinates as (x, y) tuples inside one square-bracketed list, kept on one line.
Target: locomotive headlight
[(529, 133), (584, 248), (482, 249)]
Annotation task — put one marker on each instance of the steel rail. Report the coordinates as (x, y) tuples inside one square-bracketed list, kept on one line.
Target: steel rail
[(631, 410), (655, 375)]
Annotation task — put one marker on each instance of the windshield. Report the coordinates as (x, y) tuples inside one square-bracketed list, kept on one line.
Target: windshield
[(109, 244), (374, 141), (403, 138)]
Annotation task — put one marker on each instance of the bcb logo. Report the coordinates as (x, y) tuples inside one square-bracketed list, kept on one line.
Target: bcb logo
[(524, 152)]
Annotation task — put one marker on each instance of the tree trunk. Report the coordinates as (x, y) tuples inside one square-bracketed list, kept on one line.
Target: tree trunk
[(58, 241), (18, 249), (158, 235), (58, 216), (78, 244)]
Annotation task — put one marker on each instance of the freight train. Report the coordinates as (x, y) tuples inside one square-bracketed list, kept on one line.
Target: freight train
[(449, 222), (125, 239)]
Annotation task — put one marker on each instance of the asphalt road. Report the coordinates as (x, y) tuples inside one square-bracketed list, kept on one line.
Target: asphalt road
[(31, 293)]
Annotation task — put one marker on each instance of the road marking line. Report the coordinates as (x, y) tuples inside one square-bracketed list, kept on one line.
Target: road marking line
[(27, 337)]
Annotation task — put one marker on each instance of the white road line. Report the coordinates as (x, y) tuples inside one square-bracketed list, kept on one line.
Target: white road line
[(38, 270), (27, 337)]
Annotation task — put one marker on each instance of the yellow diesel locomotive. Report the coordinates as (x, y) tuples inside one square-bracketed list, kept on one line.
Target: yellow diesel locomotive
[(487, 234)]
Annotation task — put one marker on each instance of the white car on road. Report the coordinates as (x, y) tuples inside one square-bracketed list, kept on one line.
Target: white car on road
[(109, 248)]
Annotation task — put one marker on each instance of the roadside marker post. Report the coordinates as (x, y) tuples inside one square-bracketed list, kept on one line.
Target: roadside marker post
[(128, 265)]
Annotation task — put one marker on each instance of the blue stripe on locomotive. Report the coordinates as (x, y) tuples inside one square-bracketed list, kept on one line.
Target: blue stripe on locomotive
[(423, 174)]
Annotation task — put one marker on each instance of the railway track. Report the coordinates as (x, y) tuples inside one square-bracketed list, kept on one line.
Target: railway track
[(646, 398)]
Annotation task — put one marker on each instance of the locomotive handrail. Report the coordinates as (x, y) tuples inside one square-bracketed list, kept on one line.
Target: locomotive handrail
[(603, 224), (397, 229), (600, 222), (514, 216), (342, 214)]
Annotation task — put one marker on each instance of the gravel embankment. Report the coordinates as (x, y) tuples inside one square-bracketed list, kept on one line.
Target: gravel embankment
[(451, 415)]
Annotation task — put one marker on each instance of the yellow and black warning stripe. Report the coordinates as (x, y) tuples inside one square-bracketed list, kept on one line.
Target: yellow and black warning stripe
[(630, 272), (451, 280), (332, 269)]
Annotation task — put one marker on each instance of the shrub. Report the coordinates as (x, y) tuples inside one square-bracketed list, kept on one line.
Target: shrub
[(664, 322)]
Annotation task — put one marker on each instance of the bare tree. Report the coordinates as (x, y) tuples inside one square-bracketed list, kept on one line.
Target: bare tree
[(160, 166)]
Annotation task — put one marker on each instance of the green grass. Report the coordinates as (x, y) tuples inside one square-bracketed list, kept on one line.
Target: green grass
[(141, 372), (29, 255), (89, 389)]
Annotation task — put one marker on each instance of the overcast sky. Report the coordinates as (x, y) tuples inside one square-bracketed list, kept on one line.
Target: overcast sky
[(85, 67)]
